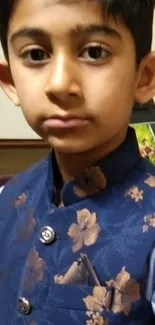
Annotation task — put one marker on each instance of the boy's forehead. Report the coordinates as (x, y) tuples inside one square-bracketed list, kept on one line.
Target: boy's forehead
[(53, 10), (36, 5), (60, 17), (50, 3)]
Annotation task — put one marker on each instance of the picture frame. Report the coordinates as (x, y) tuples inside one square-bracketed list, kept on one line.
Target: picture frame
[(18, 154)]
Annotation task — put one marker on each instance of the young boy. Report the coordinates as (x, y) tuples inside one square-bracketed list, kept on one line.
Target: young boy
[(77, 229)]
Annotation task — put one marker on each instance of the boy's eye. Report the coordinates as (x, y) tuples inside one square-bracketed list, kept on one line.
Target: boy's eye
[(94, 52), (35, 55)]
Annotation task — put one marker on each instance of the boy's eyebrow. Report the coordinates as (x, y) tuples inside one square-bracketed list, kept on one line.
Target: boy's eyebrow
[(93, 29), (29, 32), (78, 30)]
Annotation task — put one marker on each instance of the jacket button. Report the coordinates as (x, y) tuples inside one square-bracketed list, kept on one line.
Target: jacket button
[(24, 305), (47, 235)]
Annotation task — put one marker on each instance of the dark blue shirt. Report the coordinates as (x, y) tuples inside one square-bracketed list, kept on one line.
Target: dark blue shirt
[(107, 214)]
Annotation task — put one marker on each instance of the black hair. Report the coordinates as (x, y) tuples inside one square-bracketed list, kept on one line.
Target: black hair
[(137, 15)]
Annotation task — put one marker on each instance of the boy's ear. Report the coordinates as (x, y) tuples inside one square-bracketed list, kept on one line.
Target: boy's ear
[(145, 89), (6, 82)]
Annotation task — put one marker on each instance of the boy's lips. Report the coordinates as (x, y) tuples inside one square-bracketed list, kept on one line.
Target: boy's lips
[(63, 122)]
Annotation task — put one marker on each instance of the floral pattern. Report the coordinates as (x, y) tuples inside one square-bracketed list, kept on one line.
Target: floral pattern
[(135, 193), (35, 270), (126, 292), (96, 319), (86, 231), (149, 222), (58, 278), (90, 182), (77, 273), (99, 300), (150, 181), (25, 228), (21, 200)]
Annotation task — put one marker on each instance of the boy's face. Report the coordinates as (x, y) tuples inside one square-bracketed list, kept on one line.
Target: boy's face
[(74, 72)]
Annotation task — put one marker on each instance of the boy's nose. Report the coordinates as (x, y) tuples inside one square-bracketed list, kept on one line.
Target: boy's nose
[(63, 80)]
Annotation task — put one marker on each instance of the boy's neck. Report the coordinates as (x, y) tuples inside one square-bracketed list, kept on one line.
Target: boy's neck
[(71, 164)]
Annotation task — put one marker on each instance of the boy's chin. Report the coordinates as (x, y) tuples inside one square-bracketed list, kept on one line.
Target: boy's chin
[(69, 146)]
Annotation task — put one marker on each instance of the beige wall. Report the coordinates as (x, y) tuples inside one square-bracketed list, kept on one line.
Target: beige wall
[(153, 45), (12, 123)]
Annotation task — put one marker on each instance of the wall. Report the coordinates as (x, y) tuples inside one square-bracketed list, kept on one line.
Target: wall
[(12, 123)]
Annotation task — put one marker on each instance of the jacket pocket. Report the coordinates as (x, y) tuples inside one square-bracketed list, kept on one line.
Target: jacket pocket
[(70, 296)]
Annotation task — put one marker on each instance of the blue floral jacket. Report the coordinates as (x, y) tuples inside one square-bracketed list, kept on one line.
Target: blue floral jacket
[(88, 261)]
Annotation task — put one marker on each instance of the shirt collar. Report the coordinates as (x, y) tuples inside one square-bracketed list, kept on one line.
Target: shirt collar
[(111, 170)]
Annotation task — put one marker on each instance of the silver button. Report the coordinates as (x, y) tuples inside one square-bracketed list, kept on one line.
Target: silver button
[(24, 305), (47, 235)]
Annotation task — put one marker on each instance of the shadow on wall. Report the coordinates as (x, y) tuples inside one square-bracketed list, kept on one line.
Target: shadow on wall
[(143, 113)]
